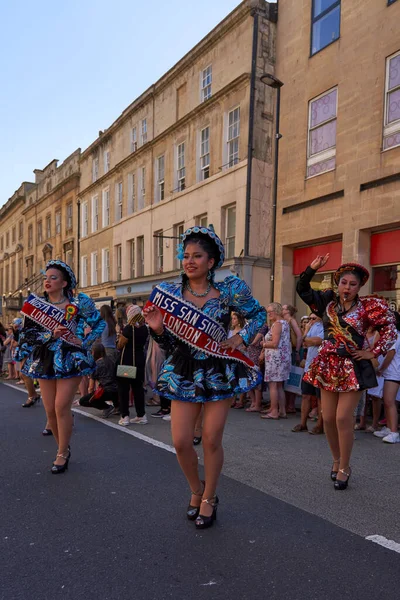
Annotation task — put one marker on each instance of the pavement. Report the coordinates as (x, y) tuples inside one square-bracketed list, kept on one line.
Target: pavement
[(113, 526)]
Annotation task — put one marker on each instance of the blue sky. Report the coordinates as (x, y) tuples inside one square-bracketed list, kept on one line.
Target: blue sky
[(68, 69)]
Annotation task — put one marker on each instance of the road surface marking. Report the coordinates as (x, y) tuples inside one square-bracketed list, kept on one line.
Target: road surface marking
[(382, 541)]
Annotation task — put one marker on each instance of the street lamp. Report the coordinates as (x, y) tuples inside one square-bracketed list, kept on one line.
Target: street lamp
[(276, 84)]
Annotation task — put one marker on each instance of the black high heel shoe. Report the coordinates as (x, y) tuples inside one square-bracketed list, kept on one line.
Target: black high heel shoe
[(192, 512), (203, 522), (342, 485), (196, 440), (334, 473), (31, 401), (56, 469)]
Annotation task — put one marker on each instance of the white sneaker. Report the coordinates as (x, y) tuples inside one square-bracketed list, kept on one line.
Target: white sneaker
[(392, 438), (382, 433), (139, 420), (166, 418), (124, 421)]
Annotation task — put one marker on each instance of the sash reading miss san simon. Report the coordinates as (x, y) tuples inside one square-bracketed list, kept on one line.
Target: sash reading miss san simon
[(49, 316), (191, 326)]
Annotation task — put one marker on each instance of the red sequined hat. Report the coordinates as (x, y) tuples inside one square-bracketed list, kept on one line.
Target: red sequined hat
[(361, 271)]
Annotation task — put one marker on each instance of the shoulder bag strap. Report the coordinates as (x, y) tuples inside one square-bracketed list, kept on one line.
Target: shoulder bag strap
[(133, 346)]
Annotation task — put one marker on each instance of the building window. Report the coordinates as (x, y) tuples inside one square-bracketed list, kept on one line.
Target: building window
[(48, 227), (30, 237), (159, 251), (140, 256), (131, 194), (7, 239), (84, 264), (142, 188), (2, 243), (386, 284), (118, 256), (69, 217), (14, 235), (179, 230), (20, 229), (321, 152), (233, 136), (204, 153), (230, 230), (106, 160), (39, 232), (106, 207), (181, 170), (69, 258), (84, 215), (7, 283), (95, 169), (105, 260), (94, 268), (391, 130), (20, 271), (144, 132), (133, 139), (206, 81), (325, 23), (58, 222), (132, 259), (95, 213), (118, 201), (160, 179), (201, 220)]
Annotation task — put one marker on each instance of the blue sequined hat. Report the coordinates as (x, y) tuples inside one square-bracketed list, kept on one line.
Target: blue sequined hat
[(209, 232), (62, 266)]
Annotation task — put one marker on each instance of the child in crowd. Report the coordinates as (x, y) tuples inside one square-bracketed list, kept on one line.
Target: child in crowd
[(104, 377)]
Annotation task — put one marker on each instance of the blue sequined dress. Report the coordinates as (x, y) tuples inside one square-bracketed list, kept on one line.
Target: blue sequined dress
[(190, 375), (48, 358)]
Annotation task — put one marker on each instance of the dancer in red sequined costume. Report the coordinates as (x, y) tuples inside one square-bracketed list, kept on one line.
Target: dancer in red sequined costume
[(342, 368)]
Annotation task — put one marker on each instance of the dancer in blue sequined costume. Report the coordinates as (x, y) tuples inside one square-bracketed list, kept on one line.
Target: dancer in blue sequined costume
[(59, 365), (193, 379)]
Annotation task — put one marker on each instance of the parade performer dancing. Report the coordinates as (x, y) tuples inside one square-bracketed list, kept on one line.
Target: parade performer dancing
[(55, 350), (189, 320), (342, 368)]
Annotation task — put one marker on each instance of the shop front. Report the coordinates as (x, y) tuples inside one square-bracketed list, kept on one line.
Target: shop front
[(385, 265)]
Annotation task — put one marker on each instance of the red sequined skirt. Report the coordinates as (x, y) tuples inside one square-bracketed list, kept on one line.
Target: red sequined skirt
[(332, 373)]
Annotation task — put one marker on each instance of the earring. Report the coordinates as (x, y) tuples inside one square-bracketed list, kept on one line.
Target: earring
[(209, 275)]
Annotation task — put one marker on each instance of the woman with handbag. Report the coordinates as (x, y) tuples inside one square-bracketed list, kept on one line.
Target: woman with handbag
[(130, 370), (342, 369)]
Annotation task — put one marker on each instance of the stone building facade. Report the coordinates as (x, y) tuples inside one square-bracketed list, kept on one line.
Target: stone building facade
[(339, 160), (193, 148)]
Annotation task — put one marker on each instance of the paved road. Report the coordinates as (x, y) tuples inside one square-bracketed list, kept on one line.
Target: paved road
[(113, 526)]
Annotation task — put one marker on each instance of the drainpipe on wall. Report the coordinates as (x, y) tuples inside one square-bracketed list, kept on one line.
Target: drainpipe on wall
[(251, 132)]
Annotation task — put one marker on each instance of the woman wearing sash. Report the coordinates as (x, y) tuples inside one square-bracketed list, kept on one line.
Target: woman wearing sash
[(342, 368), (191, 376), (57, 363)]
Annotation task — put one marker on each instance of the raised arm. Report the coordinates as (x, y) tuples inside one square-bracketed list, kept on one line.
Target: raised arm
[(241, 299), (316, 300)]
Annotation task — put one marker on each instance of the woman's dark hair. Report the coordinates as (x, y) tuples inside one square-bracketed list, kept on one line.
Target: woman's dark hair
[(207, 245), (240, 318), (292, 309), (98, 351), (107, 314), (356, 274), (397, 317)]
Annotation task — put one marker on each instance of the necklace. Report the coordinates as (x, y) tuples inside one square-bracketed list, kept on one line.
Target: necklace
[(61, 301), (196, 294)]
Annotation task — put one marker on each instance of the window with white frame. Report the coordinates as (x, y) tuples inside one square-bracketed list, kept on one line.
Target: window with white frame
[(159, 251), (106, 206), (133, 139), (94, 268), (230, 230), (84, 264), (58, 222), (204, 153), (322, 119), (69, 217), (391, 130), (143, 133), (142, 188), (233, 136), (131, 207), (201, 220), (118, 201), (132, 259), (106, 160), (105, 264), (160, 184), (179, 230), (95, 213), (118, 261), (206, 81), (84, 217), (140, 256), (95, 169), (181, 169), (48, 226)]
